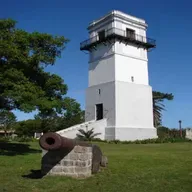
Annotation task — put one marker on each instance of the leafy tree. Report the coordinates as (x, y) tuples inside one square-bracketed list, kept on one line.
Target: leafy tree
[(87, 135), (71, 114), (7, 119), (24, 85), (158, 105), (28, 127)]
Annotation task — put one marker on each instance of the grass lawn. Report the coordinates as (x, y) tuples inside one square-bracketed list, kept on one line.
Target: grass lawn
[(131, 168)]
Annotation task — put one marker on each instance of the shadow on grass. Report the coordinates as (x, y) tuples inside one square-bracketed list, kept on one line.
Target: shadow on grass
[(12, 149), (35, 174)]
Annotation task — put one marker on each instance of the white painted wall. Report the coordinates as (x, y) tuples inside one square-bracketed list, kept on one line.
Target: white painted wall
[(127, 62), (101, 52), (133, 105), (99, 127), (128, 113), (127, 67), (132, 134), (119, 16), (102, 71), (107, 97), (130, 51), (129, 16)]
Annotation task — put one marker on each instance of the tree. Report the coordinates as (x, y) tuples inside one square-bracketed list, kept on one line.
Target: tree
[(24, 85), (7, 119), (28, 127), (71, 114), (87, 135), (158, 106)]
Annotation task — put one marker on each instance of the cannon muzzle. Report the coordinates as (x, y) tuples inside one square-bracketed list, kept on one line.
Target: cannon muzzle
[(53, 141)]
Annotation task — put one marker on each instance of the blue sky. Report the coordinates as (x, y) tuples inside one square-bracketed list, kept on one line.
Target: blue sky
[(170, 64)]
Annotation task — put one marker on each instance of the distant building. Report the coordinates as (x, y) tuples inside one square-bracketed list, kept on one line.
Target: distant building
[(3, 133), (188, 134), (37, 135)]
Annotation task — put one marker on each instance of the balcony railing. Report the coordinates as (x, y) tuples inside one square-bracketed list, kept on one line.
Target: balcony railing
[(120, 35)]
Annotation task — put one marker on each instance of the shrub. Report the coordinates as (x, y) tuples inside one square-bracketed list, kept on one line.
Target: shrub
[(88, 135), (146, 141), (18, 139), (2, 139), (23, 139)]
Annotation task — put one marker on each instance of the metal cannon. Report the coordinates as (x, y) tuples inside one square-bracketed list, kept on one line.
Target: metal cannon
[(53, 142)]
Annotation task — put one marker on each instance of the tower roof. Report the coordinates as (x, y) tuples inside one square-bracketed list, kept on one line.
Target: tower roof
[(120, 15)]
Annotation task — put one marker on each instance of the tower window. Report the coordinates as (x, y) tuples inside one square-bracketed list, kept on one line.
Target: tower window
[(99, 91), (132, 78), (101, 35), (130, 33)]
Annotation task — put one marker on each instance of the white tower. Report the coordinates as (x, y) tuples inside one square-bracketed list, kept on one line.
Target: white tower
[(118, 77)]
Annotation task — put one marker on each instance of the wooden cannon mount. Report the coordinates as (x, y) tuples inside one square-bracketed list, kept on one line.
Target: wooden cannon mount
[(53, 142)]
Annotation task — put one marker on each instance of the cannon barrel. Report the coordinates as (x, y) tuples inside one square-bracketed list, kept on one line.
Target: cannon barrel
[(53, 141)]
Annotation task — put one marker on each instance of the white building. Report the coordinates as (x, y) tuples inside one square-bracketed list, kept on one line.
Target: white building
[(188, 133), (119, 97)]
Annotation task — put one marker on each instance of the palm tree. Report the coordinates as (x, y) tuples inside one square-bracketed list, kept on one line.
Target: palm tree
[(158, 106), (86, 135)]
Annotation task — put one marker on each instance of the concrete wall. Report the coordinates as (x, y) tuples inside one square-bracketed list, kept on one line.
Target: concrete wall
[(119, 67), (127, 68), (118, 19), (101, 52), (130, 51), (102, 71), (106, 96), (99, 127), (133, 105), (132, 134)]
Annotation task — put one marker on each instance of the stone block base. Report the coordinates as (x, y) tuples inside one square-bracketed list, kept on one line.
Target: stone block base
[(76, 163)]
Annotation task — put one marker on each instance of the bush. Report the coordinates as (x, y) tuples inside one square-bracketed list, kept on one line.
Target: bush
[(23, 139), (165, 132), (18, 139), (99, 140), (146, 141), (2, 139)]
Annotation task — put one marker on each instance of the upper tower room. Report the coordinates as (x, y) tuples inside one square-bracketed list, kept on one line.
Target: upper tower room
[(117, 25)]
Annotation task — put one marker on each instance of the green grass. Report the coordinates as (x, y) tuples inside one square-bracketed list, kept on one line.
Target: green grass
[(132, 168)]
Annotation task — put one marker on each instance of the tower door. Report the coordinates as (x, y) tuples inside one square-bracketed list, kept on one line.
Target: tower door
[(99, 111)]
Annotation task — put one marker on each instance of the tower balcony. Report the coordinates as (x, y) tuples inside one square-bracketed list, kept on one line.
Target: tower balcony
[(114, 34)]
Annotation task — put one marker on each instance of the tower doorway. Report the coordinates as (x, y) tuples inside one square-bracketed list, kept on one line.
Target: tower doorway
[(99, 111)]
